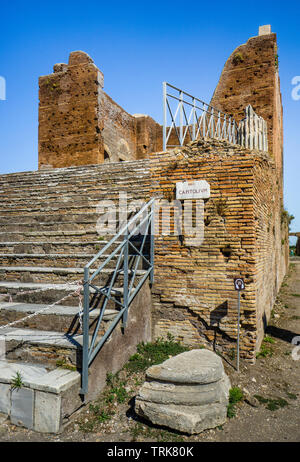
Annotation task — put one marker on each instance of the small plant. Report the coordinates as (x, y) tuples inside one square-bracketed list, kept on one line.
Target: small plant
[(154, 353), (232, 354), (64, 365), (264, 349), (286, 217), (116, 391), (291, 395), (276, 61), (238, 58), (268, 339), (103, 416), (235, 396), (17, 380), (272, 403), (296, 295)]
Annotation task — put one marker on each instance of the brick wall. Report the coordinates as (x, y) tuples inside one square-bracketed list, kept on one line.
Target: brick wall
[(79, 124), (194, 296), (250, 76), (69, 129)]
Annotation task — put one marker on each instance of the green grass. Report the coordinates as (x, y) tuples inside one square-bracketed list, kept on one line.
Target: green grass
[(291, 395), (235, 396), (116, 389), (268, 339), (63, 364), (272, 403), (296, 295), (265, 349), (154, 353)]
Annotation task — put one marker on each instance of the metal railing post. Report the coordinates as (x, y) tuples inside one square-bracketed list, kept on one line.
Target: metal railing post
[(194, 119), (164, 116), (152, 231), (125, 281), (181, 119), (85, 344)]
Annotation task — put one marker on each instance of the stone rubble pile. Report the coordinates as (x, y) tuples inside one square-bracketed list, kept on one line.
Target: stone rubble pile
[(188, 392)]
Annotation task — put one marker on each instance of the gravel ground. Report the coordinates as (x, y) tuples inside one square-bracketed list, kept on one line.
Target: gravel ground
[(275, 376)]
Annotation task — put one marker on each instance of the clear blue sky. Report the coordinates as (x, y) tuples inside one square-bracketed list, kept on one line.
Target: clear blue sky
[(138, 45)]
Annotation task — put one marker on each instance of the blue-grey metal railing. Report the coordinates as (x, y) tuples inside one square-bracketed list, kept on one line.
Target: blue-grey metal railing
[(136, 247), (192, 118)]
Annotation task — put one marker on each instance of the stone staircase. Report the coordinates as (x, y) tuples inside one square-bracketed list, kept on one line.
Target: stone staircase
[(47, 235)]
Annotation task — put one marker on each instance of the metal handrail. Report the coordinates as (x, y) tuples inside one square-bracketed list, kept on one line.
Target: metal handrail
[(91, 344), (211, 122)]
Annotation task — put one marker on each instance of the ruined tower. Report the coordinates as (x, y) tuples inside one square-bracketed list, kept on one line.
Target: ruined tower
[(79, 124)]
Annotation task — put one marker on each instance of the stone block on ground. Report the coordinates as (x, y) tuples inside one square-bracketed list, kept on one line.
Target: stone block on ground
[(188, 392)]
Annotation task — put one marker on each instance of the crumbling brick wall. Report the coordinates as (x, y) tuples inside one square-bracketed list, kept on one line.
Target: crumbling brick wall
[(250, 76), (79, 124), (69, 128), (194, 296)]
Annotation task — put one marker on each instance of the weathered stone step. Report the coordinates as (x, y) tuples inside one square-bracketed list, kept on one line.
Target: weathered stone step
[(55, 275), (57, 261), (43, 347), (50, 235), (65, 247), (59, 318), (70, 225), (84, 172), (44, 217), (96, 185), (80, 174), (69, 197), (46, 293)]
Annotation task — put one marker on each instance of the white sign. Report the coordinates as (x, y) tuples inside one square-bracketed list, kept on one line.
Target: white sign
[(239, 284), (192, 190)]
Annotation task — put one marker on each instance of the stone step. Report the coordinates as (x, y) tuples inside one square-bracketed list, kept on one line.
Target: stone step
[(76, 174), (57, 261), (64, 247), (49, 348), (57, 318), (57, 235), (67, 225), (55, 275), (96, 186), (42, 293), (88, 225), (55, 216), (92, 196)]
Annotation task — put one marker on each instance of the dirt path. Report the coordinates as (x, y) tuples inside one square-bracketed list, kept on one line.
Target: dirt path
[(269, 412)]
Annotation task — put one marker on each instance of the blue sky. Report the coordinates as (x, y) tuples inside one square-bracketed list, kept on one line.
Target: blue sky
[(138, 45)]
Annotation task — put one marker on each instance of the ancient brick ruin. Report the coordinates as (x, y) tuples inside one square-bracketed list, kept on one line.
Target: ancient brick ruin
[(245, 232), (90, 149), (79, 124)]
